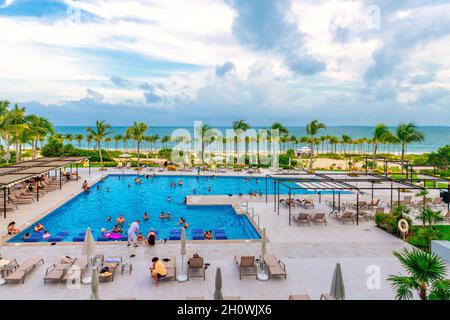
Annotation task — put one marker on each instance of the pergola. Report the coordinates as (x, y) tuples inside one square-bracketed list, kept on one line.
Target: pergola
[(22, 171), (336, 182)]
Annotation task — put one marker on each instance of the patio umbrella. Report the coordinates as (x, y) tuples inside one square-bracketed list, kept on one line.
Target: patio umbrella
[(94, 285), (182, 277), (88, 249), (218, 292), (337, 284), (262, 275)]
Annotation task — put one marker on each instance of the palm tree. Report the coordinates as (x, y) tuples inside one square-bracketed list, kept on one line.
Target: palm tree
[(137, 133), (79, 138), (165, 140), (125, 140), (89, 139), (239, 125), (426, 276), (380, 133), (428, 215), (204, 132), (17, 123), (68, 137), (40, 128), (405, 134), (312, 129), (99, 133), (117, 138), (107, 141), (345, 140)]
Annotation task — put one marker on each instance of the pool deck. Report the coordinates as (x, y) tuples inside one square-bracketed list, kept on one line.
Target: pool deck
[(309, 252)]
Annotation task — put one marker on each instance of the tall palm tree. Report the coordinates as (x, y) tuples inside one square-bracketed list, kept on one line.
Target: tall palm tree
[(165, 140), (239, 125), (40, 128), (125, 140), (17, 123), (380, 134), (203, 131), (117, 138), (89, 139), (345, 140), (68, 137), (137, 133), (405, 134), (5, 131), (312, 129), (426, 276), (107, 141), (79, 138), (99, 133)]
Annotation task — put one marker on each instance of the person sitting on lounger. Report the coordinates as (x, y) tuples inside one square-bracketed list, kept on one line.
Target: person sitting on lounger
[(157, 270), (38, 227), (120, 219), (151, 238), (12, 230), (207, 235)]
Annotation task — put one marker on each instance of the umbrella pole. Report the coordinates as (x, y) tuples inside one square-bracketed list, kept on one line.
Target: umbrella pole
[(182, 277)]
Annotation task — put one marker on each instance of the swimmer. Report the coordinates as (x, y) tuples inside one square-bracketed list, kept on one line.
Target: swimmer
[(209, 189), (180, 182), (117, 229), (169, 199), (12, 230), (46, 235), (26, 236), (109, 219), (168, 215), (194, 191), (98, 187), (181, 220), (38, 227), (107, 188), (120, 219), (146, 216), (185, 225), (162, 216)]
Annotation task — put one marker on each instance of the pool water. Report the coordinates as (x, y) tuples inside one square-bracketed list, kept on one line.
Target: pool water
[(132, 200)]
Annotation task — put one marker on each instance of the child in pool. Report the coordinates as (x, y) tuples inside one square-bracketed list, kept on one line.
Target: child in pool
[(162, 215), (146, 216), (46, 235)]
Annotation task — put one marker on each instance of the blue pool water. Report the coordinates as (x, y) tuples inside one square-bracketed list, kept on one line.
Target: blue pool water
[(125, 197)]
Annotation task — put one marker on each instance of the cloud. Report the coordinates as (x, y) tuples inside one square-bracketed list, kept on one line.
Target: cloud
[(5, 3), (121, 82), (222, 70), (423, 78), (264, 26)]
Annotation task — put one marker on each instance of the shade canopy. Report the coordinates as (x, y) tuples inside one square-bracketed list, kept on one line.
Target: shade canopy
[(88, 245), (337, 284), (218, 292), (94, 285)]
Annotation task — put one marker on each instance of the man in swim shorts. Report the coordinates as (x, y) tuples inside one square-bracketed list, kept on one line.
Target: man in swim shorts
[(132, 235)]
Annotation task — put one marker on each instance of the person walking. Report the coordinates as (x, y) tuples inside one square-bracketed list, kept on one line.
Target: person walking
[(133, 231)]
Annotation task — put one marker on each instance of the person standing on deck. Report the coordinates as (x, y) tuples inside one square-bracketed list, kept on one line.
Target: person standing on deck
[(132, 235)]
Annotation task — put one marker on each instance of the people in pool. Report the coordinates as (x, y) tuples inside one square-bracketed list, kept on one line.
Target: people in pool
[(168, 216), (120, 219), (146, 216), (181, 220), (85, 185), (194, 191), (107, 188), (183, 223), (12, 230), (109, 219), (162, 216), (26, 236), (209, 189), (117, 229), (169, 199), (46, 235), (98, 187), (137, 181), (180, 182), (140, 237), (151, 238), (38, 227), (207, 235)]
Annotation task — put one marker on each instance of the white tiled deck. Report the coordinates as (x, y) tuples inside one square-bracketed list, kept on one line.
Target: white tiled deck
[(310, 254)]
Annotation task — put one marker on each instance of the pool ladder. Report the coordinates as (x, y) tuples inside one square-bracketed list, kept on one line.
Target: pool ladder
[(251, 212)]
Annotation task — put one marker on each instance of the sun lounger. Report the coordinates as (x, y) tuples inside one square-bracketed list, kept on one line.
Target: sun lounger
[(319, 218), (275, 267), (196, 268), (307, 203), (437, 202), (345, 217), (57, 271), (23, 270), (247, 266), (77, 268), (302, 218), (299, 297)]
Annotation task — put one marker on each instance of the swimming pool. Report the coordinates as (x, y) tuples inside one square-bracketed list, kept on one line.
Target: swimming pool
[(119, 194)]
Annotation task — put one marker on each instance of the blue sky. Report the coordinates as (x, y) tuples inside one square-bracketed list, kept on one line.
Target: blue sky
[(345, 62)]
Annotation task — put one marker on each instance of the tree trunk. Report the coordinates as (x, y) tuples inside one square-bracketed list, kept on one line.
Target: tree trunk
[(403, 157), (375, 147), (423, 292), (100, 154), (311, 155), (139, 153)]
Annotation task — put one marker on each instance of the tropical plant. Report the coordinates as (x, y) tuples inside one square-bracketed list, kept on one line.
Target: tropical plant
[(68, 137), (426, 276), (429, 216), (117, 138), (99, 133), (79, 138), (17, 123), (405, 134), (239, 126), (137, 133), (39, 128), (204, 132), (380, 133), (312, 129)]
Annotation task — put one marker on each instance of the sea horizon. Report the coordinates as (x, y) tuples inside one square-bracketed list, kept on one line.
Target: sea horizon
[(435, 136)]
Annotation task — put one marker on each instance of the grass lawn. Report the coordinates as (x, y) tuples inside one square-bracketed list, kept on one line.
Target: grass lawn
[(444, 231), (428, 184)]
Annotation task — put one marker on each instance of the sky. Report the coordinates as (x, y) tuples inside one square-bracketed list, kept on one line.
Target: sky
[(344, 62)]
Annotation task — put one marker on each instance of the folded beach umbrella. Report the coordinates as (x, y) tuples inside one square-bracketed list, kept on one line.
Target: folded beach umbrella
[(263, 243), (88, 245), (182, 277), (337, 284), (94, 285), (218, 292)]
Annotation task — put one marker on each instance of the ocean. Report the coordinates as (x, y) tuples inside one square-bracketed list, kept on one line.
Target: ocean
[(435, 136)]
